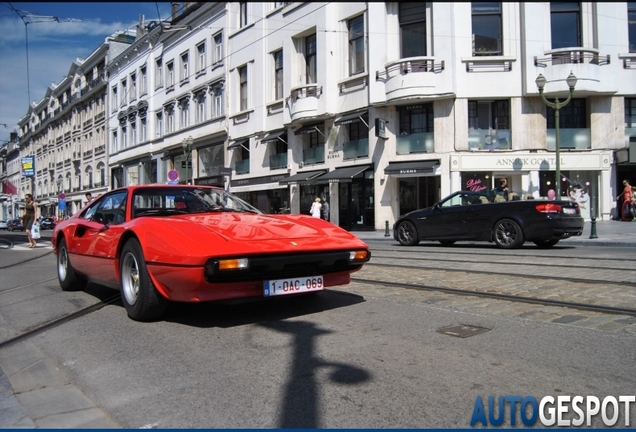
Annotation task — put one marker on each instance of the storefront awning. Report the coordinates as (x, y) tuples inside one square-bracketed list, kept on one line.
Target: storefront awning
[(239, 142), (358, 116), (273, 137), (341, 175), (302, 177), (411, 168), (316, 127)]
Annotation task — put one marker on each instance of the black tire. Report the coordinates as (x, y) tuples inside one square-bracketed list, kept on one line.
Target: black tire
[(141, 299), (447, 242), (545, 244), (69, 279), (507, 234), (407, 234)]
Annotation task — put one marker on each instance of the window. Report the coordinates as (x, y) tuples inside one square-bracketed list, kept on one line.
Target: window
[(218, 101), (486, 25), (416, 119), (565, 22), (143, 83), (310, 59), (243, 14), (170, 118), (124, 136), (631, 20), (124, 91), (114, 97), (243, 87), (630, 113), (158, 74), (571, 116), (170, 74), (201, 57), (218, 48), (159, 121), (133, 88), (487, 115), (133, 134), (316, 139), (200, 98), (144, 130), (278, 75), (184, 67), (413, 29), (356, 45), (115, 144), (185, 113), (358, 129)]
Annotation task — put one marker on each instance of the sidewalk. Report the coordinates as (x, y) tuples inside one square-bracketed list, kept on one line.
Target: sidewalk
[(608, 233)]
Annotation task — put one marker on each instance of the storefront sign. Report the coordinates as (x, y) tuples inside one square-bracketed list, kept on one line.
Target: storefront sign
[(528, 162), (28, 166)]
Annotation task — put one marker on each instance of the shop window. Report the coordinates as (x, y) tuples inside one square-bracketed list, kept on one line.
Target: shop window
[(565, 23), (486, 26)]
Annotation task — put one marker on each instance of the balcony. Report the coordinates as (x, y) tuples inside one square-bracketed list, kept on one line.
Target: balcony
[(278, 161), (356, 149), (100, 149), (585, 63), (242, 167), (88, 154), (100, 116), (410, 77), (87, 124), (484, 139), (416, 143), (304, 101), (77, 155), (571, 139), (314, 155)]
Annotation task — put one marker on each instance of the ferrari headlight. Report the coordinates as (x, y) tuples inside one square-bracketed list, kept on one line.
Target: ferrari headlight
[(234, 264), (361, 255)]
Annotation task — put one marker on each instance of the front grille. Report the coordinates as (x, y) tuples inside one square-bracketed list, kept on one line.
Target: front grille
[(283, 266)]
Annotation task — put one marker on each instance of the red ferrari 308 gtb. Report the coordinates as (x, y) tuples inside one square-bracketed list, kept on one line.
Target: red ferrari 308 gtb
[(162, 243)]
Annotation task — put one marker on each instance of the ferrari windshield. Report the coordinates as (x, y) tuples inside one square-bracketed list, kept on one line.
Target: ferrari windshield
[(168, 201)]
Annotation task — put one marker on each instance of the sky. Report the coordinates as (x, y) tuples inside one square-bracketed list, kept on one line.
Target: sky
[(53, 46)]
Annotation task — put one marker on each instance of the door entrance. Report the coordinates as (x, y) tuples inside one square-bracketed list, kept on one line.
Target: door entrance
[(356, 207)]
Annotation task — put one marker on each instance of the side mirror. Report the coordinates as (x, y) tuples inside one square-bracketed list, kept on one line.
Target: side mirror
[(99, 218)]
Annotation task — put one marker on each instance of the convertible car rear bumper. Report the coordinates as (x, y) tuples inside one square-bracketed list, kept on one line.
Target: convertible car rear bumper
[(554, 227)]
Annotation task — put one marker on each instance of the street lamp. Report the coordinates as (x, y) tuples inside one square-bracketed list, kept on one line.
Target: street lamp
[(187, 154), (556, 106)]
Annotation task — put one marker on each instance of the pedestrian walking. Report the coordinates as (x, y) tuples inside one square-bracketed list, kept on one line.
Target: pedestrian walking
[(626, 207), (502, 189), (316, 208), (325, 210), (89, 197), (28, 218)]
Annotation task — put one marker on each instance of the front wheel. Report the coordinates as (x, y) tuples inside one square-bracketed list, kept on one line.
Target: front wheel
[(545, 244), (69, 280), (407, 234), (508, 234), (141, 299)]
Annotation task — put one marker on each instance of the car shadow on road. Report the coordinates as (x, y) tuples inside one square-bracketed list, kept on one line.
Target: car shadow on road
[(237, 313), (482, 245)]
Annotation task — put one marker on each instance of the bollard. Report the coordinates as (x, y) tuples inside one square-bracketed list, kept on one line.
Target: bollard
[(593, 233), (386, 229)]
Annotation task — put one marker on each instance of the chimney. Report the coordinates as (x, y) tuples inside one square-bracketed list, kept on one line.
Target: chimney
[(141, 27), (175, 10)]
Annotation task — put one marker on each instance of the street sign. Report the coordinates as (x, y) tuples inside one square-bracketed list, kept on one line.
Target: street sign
[(62, 205), (62, 196), (172, 182), (173, 175)]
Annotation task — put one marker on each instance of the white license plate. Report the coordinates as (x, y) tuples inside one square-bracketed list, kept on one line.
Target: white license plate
[(567, 210), (293, 286)]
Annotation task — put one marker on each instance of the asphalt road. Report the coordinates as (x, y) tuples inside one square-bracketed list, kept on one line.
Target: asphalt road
[(366, 355)]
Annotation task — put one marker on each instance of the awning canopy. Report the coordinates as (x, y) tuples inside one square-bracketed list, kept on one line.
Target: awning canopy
[(411, 168), (274, 137), (238, 142), (357, 116), (302, 177), (310, 128), (341, 175)]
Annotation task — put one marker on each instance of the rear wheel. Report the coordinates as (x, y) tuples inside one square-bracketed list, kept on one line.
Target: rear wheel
[(141, 299), (69, 280), (407, 234), (508, 234), (545, 244)]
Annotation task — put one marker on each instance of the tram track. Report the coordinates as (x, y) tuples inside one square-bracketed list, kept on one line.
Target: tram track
[(501, 296)]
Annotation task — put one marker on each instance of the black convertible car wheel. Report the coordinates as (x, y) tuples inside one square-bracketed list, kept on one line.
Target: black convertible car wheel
[(407, 234), (141, 299), (508, 234)]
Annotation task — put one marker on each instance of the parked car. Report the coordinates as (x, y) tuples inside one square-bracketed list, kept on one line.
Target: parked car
[(162, 243), (4, 224), (47, 223), (477, 216), (15, 225)]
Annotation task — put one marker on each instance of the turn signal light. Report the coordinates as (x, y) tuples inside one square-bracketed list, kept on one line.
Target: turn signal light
[(233, 264), (359, 255), (549, 208)]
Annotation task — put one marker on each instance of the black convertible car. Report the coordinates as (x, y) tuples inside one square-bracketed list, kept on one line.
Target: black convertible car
[(478, 216)]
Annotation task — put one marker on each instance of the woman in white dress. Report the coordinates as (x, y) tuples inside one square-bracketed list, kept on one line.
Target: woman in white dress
[(315, 208)]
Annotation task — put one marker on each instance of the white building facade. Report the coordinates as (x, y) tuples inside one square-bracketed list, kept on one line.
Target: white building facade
[(377, 108)]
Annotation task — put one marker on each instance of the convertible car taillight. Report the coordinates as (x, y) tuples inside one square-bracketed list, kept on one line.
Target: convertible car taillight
[(549, 208)]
